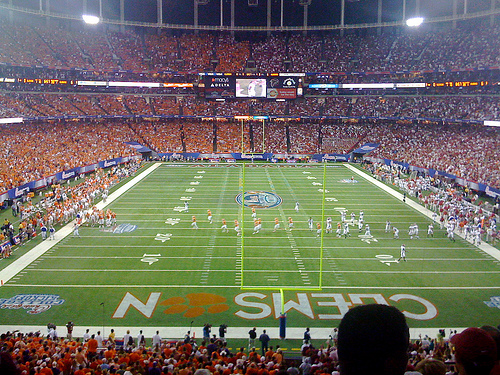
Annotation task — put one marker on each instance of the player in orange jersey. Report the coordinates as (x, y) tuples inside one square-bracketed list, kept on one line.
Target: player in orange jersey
[(209, 216), (224, 226), (290, 223), (237, 228), (276, 224), (254, 213), (193, 223), (318, 229)]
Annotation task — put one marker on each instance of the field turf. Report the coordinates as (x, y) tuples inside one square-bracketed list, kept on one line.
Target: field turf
[(155, 270)]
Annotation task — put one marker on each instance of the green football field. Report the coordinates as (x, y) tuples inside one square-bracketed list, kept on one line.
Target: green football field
[(155, 270)]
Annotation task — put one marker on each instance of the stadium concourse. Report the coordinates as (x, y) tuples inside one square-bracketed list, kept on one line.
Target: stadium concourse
[(178, 332)]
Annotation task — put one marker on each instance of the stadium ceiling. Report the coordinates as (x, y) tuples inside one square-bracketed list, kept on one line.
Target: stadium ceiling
[(442, 19)]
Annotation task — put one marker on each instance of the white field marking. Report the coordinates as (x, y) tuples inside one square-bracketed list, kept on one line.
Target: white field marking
[(490, 250), (301, 287), (270, 258), (301, 267), (18, 265), (163, 237)]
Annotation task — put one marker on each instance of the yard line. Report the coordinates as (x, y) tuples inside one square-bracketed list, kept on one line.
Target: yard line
[(301, 287), (268, 258), (257, 271)]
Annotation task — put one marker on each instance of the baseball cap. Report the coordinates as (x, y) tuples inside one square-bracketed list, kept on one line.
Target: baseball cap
[(475, 346)]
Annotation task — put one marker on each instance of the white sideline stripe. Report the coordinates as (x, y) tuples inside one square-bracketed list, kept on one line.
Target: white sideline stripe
[(256, 271), (298, 287), (488, 249), (177, 333), (27, 259)]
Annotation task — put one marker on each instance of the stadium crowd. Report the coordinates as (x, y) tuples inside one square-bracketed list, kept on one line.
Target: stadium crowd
[(38, 150), (62, 47), (474, 108), (370, 339)]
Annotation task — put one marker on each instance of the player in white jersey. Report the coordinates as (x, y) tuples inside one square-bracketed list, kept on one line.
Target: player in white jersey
[(346, 230), (430, 230), (329, 225), (52, 233), (310, 222), (353, 217), (254, 213), (396, 232), (361, 215), (76, 232), (387, 226), (186, 206), (360, 225), (297, 207), (342, 216), (367, 230), (402, 253), (450, 233), (415, 230)]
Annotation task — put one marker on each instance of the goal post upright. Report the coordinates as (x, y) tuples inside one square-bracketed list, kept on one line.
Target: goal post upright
[(322, 227)]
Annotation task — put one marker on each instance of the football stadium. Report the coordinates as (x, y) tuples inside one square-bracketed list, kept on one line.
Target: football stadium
[(213, 186)]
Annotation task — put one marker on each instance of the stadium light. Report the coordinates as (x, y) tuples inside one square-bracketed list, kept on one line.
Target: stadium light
[(414, 22), (91, 20)]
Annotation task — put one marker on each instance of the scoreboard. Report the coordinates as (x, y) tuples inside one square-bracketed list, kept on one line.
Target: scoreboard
[(250, 86)]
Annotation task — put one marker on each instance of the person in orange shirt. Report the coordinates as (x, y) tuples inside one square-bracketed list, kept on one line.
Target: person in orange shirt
[(276, 224), (209, 216), (91, 347), (318, 229), (290, 223)]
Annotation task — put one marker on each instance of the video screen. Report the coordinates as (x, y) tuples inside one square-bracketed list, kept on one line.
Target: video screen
[(251, 87)]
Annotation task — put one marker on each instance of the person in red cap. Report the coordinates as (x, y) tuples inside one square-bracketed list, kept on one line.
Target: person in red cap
[(475, 352)]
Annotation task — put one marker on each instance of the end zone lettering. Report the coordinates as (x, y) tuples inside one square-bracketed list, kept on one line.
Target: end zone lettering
[(257, 306)]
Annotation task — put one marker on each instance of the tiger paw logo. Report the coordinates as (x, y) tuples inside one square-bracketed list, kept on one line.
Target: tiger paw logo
[(195, 304)]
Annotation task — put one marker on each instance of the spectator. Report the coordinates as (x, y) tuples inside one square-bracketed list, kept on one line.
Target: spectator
[(377, 334)]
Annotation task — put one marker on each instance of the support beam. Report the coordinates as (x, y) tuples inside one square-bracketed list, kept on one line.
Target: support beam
[(455, 8), (195, 16), (379, 16), (492, 17), (122, 15), (404, 10), (232, 16), (281, 18), (306, 8), (222, 13), (342, 17), (159, 12), (268, 17)]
